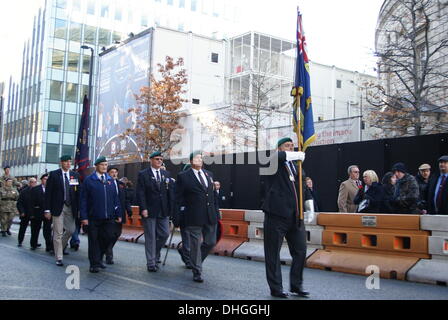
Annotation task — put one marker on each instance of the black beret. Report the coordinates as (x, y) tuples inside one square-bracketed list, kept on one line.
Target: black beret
[(100, 160), (7, 167), (283, 141), (112, 168), (194, 154), (43, 176), (155, 154), (65, 158)]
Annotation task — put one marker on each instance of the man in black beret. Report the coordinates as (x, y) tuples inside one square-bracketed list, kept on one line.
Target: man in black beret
[(437, 200), (407, 191), (62, 205), (155, 197), (38, 203)]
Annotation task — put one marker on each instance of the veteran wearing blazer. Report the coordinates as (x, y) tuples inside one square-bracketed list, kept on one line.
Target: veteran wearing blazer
[(348, 191)]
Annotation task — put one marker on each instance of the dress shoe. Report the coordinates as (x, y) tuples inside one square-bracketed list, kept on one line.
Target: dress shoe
[(19, 245), (8, 232), (109, 261), (279, 294), (188, 267), (198, 278), (94, 270), (300, 291), (39, 245), (102, 266), (33, 248), (59, 263), (152, 269)]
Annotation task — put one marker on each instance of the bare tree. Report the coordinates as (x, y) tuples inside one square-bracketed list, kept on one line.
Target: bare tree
[(411, 98)]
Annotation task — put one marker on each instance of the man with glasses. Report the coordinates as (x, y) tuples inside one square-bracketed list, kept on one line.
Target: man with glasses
[(348, 191), (155, 197)]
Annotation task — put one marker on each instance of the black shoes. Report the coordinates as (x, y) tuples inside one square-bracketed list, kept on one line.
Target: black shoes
[(102, 266), (8, 232), (75, 247), (300, 291), (94, 270), (280, 294), (152, 269), (109, 260), (39, 245), (33, 248), (59, 263), (198, 278), (19, 245)]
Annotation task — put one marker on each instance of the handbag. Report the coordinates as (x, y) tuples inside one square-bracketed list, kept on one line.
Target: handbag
[(364, 205)]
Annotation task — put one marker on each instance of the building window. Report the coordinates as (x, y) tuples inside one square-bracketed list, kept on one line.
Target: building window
[(57, 61), (68, 150), (91, 7), (85, 64), (54, 122), (71, 92), (169, 2), (339, 84), (60, 29), (194, 5), (181, 3), (196, 101), (75, 32), (62, 4), (105, 11), (89, 34), (70, 123), (118, 14), (73, 61), (103, 37), (215, 58), (56, 90), (52, 153)]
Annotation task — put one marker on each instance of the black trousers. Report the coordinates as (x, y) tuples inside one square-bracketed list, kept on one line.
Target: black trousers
[(36, 225), (100, 234), (117, 233), (24, 222), (275, 230)]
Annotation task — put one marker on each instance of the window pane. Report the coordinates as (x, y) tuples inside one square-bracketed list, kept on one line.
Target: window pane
[(181, 3), (85, 64), (91, 7), (85, 91), (75, 32), (52, 153), (56, 90), (89, 34), (71, 94), (105, 11), (54, 121), (116, 36), (194, 5), (104, 37), (68, 150), (73, 61), (61, 4), (69, 123), (118, 14), (60, 29), (57, 61), (169, 2)]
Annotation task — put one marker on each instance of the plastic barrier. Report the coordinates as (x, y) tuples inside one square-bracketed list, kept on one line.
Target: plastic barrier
[(235, 232), (434, 270), (254, 249), (393, 243), (133, 228)]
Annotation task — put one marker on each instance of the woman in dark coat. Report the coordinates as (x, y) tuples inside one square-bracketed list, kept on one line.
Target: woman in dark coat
[(389, 182), (372, 191)]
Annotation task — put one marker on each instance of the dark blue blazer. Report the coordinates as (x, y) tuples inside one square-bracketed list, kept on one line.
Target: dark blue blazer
[(54, 193), (198, 206), (99, 201), (158, 199)]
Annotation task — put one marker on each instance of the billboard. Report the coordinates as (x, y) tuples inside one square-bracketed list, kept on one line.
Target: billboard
[(123, 72)]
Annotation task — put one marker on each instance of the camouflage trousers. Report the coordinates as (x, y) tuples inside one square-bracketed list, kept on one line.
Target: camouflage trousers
[(6, 220)]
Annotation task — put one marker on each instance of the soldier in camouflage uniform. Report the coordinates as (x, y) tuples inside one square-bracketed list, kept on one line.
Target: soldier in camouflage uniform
[(8, 205), (7, 175)]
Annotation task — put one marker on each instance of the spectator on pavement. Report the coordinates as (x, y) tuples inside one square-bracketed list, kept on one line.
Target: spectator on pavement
[(348, 191), (406, 192)]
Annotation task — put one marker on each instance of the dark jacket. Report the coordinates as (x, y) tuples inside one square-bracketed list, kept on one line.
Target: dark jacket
[(38, 201), (99, 201), (423, 188), (24, 203), (406, 195), (281, 195), (375, 195), (158, 199), (54, 196), (443, 210), (129, 200), (122, 198), (388, 191), (313, 195), (198, 206)]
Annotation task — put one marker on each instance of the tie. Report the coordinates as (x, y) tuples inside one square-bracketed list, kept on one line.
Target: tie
[(202, 180), (158, 176), (293, 169), (439, 194), (102, 179), (66, 190)]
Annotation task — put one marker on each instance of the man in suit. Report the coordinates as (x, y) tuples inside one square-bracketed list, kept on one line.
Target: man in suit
[(223, 204), (348, 191), (184, 249), (437, 200), (99, 212), (62, 204), (120, 189), (25, 208), (155, 197), (198, 203), (38, 203), (282, 220)]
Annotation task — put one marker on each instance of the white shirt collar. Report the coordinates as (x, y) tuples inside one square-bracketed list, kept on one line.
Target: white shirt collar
[(99, 175)]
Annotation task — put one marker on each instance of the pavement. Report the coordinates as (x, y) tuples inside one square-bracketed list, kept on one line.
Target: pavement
[(27, 274)]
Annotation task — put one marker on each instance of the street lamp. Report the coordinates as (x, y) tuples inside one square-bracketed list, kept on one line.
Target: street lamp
[(92, 51)]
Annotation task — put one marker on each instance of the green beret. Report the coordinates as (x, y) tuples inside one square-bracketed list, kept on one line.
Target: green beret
[(155, 154), (194, 154), (100, 160), (66, 158), (283, 141), (186, 167)]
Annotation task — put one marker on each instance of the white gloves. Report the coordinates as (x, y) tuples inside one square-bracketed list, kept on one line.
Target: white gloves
[(293, 156)]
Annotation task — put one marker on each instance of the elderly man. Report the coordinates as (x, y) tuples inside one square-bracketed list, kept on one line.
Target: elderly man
[(348, 191), (437, 198), (100, 210), (423, 177), (26, 210), (282, 220)]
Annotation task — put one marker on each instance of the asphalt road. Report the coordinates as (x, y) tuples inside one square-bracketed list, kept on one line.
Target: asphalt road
[(27, 274)]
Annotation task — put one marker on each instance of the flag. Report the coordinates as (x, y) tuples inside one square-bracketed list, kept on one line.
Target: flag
[(82, 161), (303, 121)]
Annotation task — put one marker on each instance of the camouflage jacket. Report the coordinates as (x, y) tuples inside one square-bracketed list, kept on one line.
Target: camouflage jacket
[(14, 181), (9, 197)]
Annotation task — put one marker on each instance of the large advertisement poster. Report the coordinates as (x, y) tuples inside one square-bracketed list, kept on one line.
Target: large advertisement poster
[(123, 72)]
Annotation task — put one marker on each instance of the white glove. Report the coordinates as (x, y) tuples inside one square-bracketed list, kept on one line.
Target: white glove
[(293, 156)]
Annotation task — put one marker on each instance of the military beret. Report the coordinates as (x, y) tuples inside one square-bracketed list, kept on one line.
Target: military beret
[(283, 141), (7, 167), (65, 158), (100, 160), (424, 167), (443, 159), (112, 168), (43, 176), (194, 154), (186, 167), (155, 154)]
